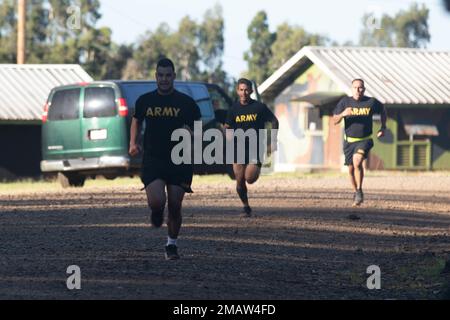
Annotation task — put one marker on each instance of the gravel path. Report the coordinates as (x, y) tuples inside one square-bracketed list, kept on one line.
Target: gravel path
[(306, 242)]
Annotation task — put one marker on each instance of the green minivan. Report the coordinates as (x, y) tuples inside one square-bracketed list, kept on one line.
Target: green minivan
[(85, 127)]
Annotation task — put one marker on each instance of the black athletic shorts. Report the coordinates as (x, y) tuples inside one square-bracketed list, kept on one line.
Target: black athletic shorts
[(249, 157), (361, 147), (174, 175)]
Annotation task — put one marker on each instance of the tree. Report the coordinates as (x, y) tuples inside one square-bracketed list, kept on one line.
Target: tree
[(119, 58), (446, 4), (182, 46), (65, 31), (289, 40), (211, 49), (95, 47), (406, 29), (58, 31), (8, 38), (260, 53), (74, 38), (151, 47), (211, 40), (269, 51), (195, 48)]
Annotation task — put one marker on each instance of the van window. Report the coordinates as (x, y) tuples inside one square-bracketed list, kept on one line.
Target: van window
[(201, 96), (99, 103), (184, 89), (199, 93), (218, 101), (220, 105), (65, 105), (132, 91)]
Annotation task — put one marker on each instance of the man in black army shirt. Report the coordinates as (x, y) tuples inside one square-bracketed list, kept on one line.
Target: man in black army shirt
[(248, 114), (164, 111), (358, 112)]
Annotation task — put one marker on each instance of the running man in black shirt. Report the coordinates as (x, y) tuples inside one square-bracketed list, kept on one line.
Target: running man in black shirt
[(164, 111), (248, 114), (358, 111)]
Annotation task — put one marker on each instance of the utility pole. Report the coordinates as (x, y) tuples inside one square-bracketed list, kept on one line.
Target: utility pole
[(21, 33)]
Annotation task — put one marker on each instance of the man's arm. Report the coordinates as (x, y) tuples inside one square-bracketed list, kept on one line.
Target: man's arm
[(337, 118), (227, 132), (229, 121), (272, 119), (383, 115), (194, 116), (134, 132)]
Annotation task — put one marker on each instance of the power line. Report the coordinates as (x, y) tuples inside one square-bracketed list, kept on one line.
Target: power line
[(122, 14)]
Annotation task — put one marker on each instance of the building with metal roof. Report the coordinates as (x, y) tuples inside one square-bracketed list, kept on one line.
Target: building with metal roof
[(24, 88), (414, 85)]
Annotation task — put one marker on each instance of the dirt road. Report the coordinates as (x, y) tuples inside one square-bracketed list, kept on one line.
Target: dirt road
[(306, 241)]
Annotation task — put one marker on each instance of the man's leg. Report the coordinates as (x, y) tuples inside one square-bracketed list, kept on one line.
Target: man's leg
[(241, 186), (358, 159), (156, 196), (351, 172), (252, 172), (174, 221), (176, 196), (348, 152), (359, 170)]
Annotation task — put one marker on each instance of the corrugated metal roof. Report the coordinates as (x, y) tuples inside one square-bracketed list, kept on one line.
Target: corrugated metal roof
[(24, 88), (392, 75)]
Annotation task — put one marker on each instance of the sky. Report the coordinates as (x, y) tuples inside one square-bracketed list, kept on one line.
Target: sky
[(339, 20)]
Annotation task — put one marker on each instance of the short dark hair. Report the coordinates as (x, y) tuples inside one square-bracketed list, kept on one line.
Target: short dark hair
[(361, 80), (245, 81), (164, 63)]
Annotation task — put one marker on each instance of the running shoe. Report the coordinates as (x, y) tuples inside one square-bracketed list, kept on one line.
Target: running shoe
[(359, 198), (172, 252), (247, 212)]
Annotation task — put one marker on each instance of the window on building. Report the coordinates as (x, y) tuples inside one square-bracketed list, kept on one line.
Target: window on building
[(313, 119)]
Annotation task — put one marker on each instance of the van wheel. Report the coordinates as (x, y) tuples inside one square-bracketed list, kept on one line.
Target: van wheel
[(68, 180), (110, 176)]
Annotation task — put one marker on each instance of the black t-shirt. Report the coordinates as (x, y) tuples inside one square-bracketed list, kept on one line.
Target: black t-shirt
[(252, 116), (163, 115), (359, 124)]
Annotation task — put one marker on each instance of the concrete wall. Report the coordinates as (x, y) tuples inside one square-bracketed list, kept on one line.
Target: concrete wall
[(441, 144), (301, 138)]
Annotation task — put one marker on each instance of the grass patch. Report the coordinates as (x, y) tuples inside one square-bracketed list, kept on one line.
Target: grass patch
[(429, 268), (38, 186), (425, 277), (27, 186), (209, 179), (30, 186), (434, 268)]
